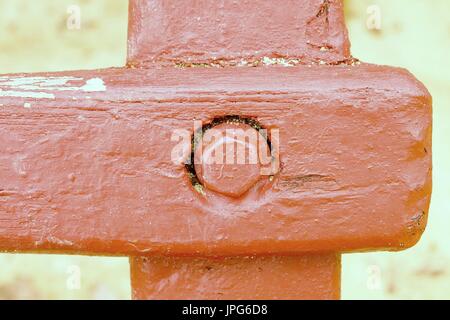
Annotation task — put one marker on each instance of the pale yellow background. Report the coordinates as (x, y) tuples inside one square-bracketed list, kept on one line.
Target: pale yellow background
[(415, 34)]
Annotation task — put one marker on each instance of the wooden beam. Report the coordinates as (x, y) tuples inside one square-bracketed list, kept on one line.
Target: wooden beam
[(313, 277), (85, 161), (235, 32)]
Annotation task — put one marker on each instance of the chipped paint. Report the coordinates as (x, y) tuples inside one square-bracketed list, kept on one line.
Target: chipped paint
[(264, 61), (27, 94), (36, 87), (280, 61), (37, 83), (94, 85)]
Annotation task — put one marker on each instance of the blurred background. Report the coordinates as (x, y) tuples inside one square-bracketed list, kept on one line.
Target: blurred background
[(415, 34)]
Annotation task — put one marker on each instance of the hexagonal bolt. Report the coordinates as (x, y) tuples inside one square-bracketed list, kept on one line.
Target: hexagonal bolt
[(228, 159)]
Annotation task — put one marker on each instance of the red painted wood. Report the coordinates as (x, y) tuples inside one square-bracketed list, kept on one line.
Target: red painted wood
[(95, 175), (227, 32), (86, 166), (305, 277), (230, 159)]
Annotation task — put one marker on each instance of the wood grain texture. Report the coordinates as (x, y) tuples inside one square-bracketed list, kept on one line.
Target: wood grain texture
[(167, 32), (308, 277), (91, 172)]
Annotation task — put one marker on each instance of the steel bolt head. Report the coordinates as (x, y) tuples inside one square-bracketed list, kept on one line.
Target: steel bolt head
[(228, 160)]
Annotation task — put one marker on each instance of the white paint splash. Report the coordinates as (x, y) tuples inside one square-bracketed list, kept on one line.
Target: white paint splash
[(94, 85), (27, 94), (36, 87)]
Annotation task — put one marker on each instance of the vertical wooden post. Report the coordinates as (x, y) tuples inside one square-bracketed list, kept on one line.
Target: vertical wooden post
[(309, 276), (229, 33)]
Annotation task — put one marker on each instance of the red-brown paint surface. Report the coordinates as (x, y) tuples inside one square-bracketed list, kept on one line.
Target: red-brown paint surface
[(91, 172), (312, 277), (167, 32), (354, 151)]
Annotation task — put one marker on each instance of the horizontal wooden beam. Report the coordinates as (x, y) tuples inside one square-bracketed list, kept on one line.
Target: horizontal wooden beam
[(85, 161)]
